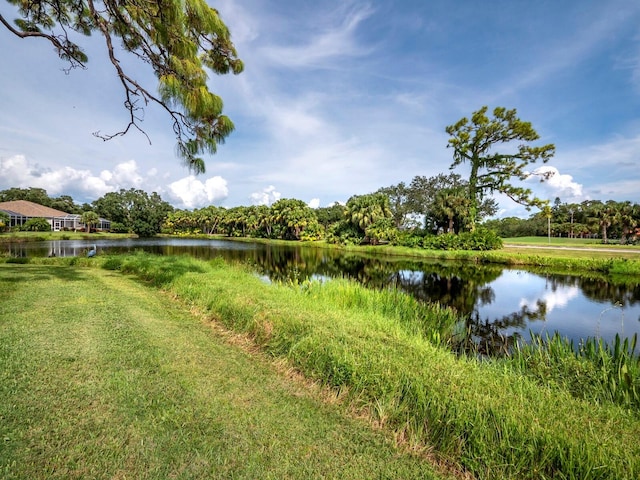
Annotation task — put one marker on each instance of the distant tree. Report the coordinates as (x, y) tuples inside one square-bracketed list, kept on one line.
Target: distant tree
[(31, 194), (450, 210), (399, 203), (66, 204), (177, 39), (138, 211), (629, 217), (90, 219), (474, 141), (331, 215), (602, 216), (364, 210), (293, 217)]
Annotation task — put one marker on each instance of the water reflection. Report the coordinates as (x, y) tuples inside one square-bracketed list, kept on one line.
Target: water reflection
[(498, 306)]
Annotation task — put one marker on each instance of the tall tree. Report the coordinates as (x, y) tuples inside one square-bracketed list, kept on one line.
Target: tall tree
[(178, 39), (629, 218), (474, 141)]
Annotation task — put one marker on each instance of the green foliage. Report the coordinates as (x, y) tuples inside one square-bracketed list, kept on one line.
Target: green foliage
[(492, 420), (328, 216), (345, 233), (382, 230), (474, 141), (592, 371), (179, 40), (293, 218), (37, 224), (63, 203), (18, 260), (117, 227), (90, 219), (481, 239), (4, 220), (139, 212)]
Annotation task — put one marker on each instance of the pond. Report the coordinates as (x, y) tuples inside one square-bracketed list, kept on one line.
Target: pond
[(499, 305)]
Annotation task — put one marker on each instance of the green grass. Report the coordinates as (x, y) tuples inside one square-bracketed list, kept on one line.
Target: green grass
[(568, 242), (527, 254), (378, 355), (492, 420), (104, 377), (21, 237)]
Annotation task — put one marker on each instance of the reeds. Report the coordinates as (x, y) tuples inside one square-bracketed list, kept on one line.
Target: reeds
[(593, 370)]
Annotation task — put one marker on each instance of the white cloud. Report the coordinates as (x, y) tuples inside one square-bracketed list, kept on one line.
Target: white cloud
[(558, 298), (190, 192), (314, 203), (17, 171), (81, 184), (267, 196), (557, 184), (334, 41), (127, 174)]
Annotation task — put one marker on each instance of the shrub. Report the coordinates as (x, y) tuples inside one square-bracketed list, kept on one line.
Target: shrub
[(481, 239), (37, 224)]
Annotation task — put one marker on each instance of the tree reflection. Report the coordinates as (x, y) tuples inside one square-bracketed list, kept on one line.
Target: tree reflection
[(465, 287), (489, 337)]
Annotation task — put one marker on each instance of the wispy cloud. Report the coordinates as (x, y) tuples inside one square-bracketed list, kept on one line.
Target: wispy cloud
[(331, 40)]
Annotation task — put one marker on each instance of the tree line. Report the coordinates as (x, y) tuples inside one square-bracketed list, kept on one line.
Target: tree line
[(589, 219), (496, 148), (130, 211)]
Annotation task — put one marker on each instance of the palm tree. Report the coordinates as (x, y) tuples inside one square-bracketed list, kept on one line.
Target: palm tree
[(90, 219), (363, 210), (604, 215), (629, 216)]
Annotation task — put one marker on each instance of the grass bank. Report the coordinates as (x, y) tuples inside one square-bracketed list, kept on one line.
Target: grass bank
[(23, 237), (104, 377), (495, 421), (580, 259)]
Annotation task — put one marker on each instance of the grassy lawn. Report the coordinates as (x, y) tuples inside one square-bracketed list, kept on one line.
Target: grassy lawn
[(19, 237), (568, 242), (160, 380), (103, 377)]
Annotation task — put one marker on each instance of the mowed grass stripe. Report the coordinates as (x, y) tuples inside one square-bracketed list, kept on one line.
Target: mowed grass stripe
[(102, 377)]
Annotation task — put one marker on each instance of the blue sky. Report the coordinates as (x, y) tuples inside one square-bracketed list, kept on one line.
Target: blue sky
[(341, 98)]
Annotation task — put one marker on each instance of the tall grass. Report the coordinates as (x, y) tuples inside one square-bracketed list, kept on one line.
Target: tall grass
[(593, 370), (380, 357)]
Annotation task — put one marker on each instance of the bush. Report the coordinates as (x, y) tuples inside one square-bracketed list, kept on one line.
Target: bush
[(37, 224), (117, 227), (481, 239)]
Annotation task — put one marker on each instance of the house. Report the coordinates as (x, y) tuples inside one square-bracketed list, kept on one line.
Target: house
[(20, 211)]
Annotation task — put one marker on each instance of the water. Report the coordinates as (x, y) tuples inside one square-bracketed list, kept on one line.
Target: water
[(500, 305)]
